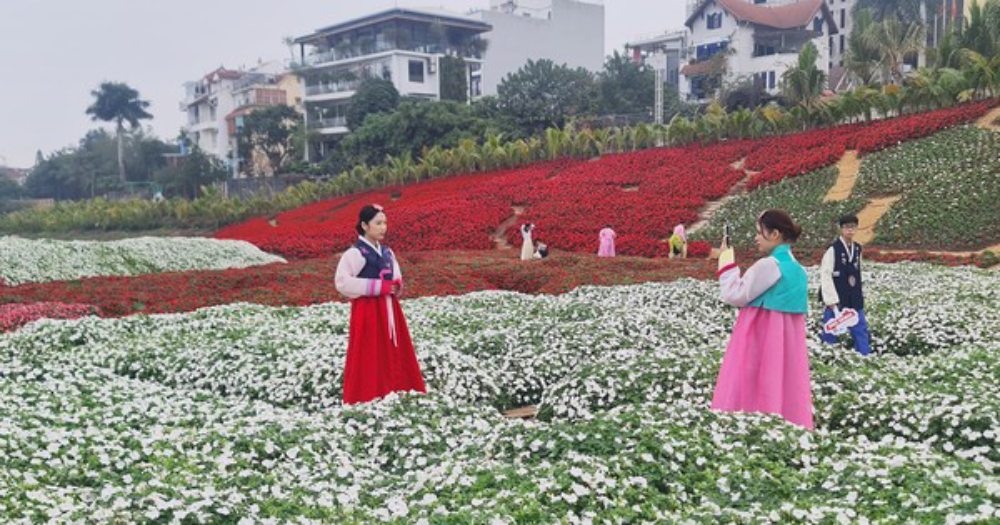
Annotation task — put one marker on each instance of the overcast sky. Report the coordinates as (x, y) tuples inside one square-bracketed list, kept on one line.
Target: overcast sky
[(54, 52)]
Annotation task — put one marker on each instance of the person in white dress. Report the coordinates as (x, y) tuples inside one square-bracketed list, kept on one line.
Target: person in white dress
[(527, 245)]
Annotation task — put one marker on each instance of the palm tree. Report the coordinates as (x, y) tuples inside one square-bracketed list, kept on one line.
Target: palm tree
[(862, 59), (894, 40), (934, 88), (555, 139), (982, 72), (117, 102), (906, 10), (680, 130), (804, 83)]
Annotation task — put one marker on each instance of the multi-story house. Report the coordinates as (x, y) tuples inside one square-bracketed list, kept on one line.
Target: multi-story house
[(671, 48), (569, 32), (404, 46), (735, 40), (216, 104)]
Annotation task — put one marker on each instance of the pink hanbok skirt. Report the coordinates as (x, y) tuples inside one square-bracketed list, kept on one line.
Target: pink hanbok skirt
[(766, 367)]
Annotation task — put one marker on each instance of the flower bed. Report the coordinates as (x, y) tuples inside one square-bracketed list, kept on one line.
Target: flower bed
[(310, 281), (950, 188), (14, 316), (642, 195), (31, 261), (232, 413)]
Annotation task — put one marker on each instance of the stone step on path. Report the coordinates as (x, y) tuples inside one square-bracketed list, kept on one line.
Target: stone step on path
[(870, 215), (525, 412), (499, 237), (988, 120), (738, 189), (847, 175)]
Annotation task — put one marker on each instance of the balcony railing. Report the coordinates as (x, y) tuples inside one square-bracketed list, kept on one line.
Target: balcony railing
[(333, 87), (331, 122)]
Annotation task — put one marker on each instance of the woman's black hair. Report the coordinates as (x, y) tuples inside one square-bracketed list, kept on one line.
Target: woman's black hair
[(367, 214), (779, 221)]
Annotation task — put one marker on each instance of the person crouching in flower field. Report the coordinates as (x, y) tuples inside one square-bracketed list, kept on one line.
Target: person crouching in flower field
[(766, 367), (678, 243), (840, 284), (380, 355), (607, 242)]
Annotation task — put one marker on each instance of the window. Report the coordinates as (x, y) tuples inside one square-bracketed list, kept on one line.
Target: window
[(706, 51), (715, 20), (843, 14), (841, 43), (760, 50), (760, 1), (818, 24), (770, 79), (417, 71), (831, 44)]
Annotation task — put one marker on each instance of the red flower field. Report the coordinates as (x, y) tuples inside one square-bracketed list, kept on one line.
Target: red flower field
[(642, 195), (310, 281)]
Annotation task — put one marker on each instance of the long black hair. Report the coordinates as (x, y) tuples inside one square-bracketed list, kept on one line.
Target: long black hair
[(367, 214)]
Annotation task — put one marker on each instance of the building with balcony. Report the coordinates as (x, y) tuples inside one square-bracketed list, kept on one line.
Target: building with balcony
[(216, 104), (671, 46), (404, 46), (735, 40), (207, 101)]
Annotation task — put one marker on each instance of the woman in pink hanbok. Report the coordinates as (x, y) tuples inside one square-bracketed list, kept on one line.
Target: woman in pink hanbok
[(766, 366), (607, 237)]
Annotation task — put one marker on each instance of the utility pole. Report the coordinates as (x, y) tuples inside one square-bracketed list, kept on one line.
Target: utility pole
[(659, 64)]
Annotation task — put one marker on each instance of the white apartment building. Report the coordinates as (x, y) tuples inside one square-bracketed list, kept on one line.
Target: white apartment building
[(404, 46), (207, 102), (216, 103), (760, 41), (567, 32)]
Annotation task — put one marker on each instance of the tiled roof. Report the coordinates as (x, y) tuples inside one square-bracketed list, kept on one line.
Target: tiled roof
[(784, 16)]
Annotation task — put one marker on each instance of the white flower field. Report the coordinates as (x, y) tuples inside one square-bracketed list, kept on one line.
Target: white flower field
[(35, 261), (232, 415)]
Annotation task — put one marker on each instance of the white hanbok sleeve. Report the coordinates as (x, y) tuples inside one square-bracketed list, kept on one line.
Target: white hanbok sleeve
[(397, 273), (740, 290), (830, 296), (348, 283)]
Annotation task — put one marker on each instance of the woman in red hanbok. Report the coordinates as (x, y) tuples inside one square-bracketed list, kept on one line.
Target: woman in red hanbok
[(380, 355)]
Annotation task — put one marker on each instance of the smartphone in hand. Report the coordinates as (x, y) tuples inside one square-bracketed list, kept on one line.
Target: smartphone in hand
[(726, 236)]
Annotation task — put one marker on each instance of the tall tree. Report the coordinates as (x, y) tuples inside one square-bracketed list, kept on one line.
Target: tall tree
[(374, 95), (117, 102), (542, 94), (269, 132), (413, 126), (194, 171), (803, 84), (862, 58), (625, 86), (905, 10), (894, 40), (978, 36)]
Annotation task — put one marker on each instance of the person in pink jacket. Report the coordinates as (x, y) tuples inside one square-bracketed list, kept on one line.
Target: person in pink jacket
[(607, 238)]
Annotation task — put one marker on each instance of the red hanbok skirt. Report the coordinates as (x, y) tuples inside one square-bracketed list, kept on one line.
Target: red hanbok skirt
[(376, 363)]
